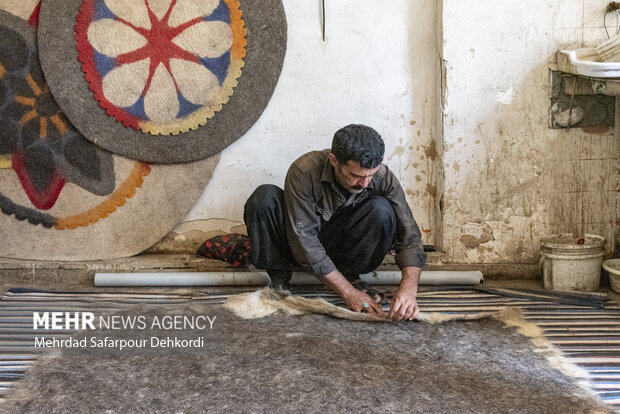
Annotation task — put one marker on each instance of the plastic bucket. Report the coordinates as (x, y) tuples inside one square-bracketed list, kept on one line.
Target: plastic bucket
[(567, 265)]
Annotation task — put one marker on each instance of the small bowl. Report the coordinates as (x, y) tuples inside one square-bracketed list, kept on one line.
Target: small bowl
[(613, 267)]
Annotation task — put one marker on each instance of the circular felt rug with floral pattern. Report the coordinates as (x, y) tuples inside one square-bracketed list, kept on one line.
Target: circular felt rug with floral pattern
[(61, 196), (162, 81)]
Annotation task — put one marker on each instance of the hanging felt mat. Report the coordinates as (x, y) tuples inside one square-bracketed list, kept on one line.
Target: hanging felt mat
[(162, 80), (161, 67), (61, 196), (24, 9)]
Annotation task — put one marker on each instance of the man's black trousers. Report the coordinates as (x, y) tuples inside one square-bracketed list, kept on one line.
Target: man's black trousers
[(356, 238)]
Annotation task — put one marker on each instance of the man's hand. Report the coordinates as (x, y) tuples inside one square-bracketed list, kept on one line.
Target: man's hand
[(404, 304), (354, 298)]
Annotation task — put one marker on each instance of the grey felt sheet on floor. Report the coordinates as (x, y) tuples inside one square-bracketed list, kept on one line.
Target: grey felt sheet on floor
[(318, 363)]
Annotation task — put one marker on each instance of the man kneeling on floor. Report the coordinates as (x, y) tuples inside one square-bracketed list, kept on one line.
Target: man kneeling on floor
[(340, 213)]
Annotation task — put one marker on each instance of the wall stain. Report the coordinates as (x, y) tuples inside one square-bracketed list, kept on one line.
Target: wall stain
[(418, 178), (431, 150), (598, 130), (444, 83), (431, 190), (398, 151), (456, 166)]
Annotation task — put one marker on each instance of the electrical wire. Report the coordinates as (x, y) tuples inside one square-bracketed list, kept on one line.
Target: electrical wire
[(612, 7), (323, 20), (605, 24)]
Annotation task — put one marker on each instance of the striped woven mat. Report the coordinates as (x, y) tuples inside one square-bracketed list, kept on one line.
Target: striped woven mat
[(589, 337)]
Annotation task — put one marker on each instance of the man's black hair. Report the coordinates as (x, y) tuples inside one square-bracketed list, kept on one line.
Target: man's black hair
[(359, 143)]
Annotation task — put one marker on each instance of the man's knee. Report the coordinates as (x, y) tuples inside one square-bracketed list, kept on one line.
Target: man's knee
[(381, 210), (263, 199)]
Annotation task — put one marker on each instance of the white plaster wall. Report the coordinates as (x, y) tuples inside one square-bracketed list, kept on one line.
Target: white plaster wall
[(379, 66), (508, 178)]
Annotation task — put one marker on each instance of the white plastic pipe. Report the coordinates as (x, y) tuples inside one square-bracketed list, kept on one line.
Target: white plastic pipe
[(258, 278)]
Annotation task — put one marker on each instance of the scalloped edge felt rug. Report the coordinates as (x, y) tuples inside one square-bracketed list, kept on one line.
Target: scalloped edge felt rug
[(105, 63)]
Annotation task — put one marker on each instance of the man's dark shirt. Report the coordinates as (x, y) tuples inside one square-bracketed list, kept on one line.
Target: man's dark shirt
[(312, 193)]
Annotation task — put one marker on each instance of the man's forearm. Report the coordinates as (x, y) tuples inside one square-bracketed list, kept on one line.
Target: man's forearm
[(410, 279), (337, 283)]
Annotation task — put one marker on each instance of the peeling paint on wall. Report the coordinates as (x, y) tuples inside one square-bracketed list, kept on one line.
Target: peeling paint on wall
[(475, 234), (505, 97)]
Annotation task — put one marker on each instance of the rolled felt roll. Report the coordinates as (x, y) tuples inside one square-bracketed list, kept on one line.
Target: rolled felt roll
[(257, 278)]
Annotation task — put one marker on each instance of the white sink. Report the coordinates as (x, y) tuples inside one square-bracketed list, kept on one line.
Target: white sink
[(586, 62)]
